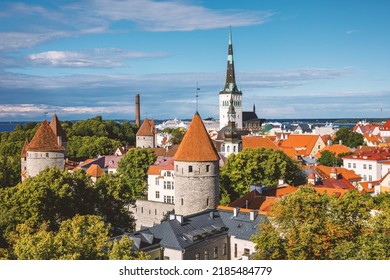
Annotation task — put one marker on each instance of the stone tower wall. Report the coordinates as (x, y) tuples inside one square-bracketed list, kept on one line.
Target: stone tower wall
[(196, 190), (145, 142), (38, 161)]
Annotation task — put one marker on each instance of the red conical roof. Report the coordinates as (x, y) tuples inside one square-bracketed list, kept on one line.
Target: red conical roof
[(57, 128), (196, 144), (147, 128), (44, 140)]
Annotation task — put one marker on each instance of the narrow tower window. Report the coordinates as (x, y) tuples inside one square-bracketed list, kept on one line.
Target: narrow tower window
[(190, 168)]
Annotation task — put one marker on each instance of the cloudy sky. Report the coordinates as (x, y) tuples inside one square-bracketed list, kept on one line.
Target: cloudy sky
[(293, 59)]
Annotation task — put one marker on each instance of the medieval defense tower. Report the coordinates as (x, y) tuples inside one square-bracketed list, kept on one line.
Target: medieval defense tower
[(196, 171), (230, 91), (44, 150)]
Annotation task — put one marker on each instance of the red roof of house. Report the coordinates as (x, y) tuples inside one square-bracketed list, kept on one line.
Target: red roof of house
[(371, 154), (162, 163), (251, 141), (336, 148), (44, 140), (324, 172), (196, 144), (303, 144), (372, 138), (95, 171), (147, 128)]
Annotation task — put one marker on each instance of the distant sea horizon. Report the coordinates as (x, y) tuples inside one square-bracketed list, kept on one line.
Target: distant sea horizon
[(8, 126)]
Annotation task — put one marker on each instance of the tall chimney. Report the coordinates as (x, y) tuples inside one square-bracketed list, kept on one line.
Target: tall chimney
[(137, 111)]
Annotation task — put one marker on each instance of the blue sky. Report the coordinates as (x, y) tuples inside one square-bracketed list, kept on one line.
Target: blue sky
[(293, 58)]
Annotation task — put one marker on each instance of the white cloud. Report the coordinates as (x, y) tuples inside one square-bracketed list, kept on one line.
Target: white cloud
[(175, 15), (102, 57)]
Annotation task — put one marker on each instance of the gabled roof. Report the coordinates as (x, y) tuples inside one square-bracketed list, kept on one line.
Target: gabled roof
[(95, 171), (147, 128), (196, 145), (162, 163), (44, 140), (57, 128), (303, 144), (324, 172), (336, 148), (249, 116), (251, 141), (372, 138)]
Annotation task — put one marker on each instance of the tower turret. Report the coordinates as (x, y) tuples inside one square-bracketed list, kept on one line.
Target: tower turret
[(196, 171)]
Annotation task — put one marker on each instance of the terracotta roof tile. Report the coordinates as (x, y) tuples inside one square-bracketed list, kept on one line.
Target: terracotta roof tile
[(302, 143), (196, 144), (257, 142), (147, 128), (57, 128), (44, 140), (336, 148), (95, 171), (348, 174), (23, 154)]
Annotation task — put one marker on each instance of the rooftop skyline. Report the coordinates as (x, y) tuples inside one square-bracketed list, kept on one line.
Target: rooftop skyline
[(293, 59)]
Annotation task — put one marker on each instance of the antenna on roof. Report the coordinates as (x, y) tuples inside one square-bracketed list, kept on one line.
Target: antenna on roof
[(197, 96)]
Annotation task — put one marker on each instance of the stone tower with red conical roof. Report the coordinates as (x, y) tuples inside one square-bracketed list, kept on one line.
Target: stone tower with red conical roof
[(42, 152), (196, 171), (146, 135)]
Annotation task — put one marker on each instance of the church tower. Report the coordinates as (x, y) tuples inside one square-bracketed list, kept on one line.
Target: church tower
[(232, 142), (196, 171), (230, 91)]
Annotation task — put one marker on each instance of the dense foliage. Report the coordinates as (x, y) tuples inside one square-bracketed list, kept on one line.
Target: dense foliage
[(176, 134), (329, 158), (256, 167), (348, 137), (86, 139), (134, 170), (43, 204), (309, 225)]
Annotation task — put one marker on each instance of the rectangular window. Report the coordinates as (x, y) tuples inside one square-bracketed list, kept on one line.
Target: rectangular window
[(224, 251), (349, 165), (215, 252), (235, 250), (157, 194), (370, 167), (207, 168), (197, 256), (177, 168), (206, 255), (354, 165), (364, 166), (370, 178), (364, 178), (157, 182), (190, 168), (173, 185), (169, 199), (247, 252)]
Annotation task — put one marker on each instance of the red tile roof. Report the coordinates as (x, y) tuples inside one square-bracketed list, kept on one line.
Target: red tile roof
[(95, 171), (370, 154), (147, 128), (324, 172), (251, 141), (162, 163), (23, 154), (303, 144), (57, 128), (44, 140), (336, 148), (196, 144)]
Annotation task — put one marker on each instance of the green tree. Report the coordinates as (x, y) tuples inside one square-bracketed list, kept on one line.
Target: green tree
[(329, 158), (113, 196), (257, 167), (176, 134), (134, 167), (309, 225), (348, 137), (122, 250)]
